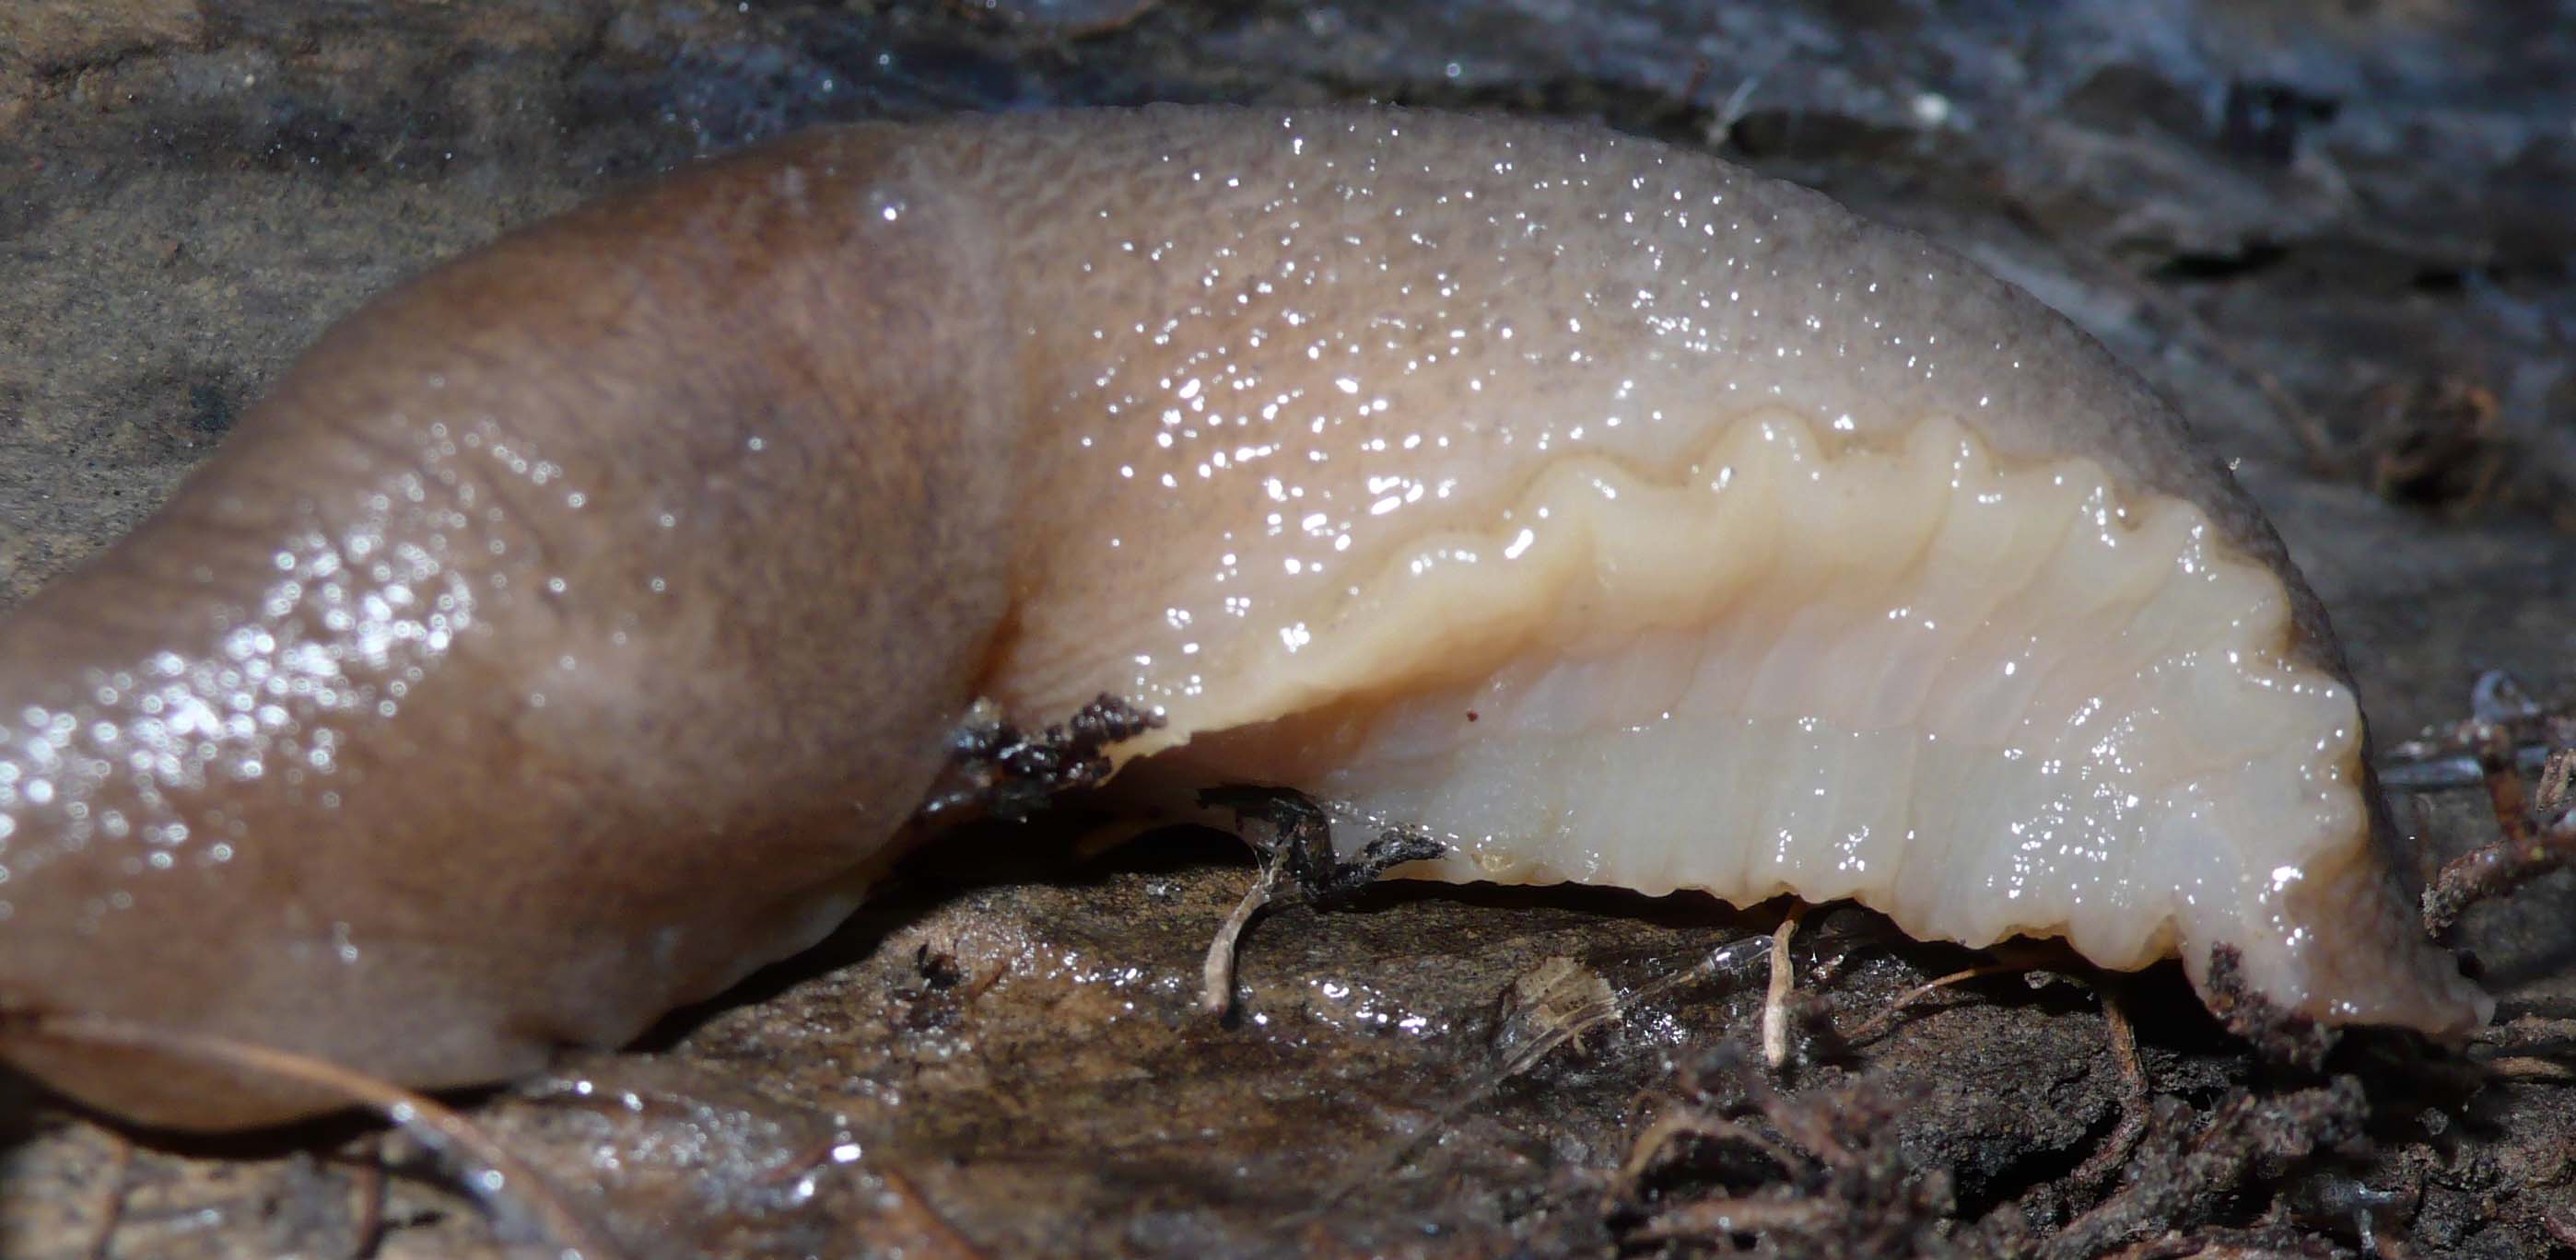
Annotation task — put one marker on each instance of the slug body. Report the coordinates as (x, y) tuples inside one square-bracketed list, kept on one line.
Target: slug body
[(576, 628)]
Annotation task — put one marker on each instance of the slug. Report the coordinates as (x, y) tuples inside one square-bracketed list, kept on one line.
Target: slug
[(578, 626)]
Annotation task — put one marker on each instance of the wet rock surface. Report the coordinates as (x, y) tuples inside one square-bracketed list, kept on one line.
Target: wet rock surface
[(2335, 233)]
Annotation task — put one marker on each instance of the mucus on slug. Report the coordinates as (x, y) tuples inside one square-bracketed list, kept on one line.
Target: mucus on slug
[(1773, 552)]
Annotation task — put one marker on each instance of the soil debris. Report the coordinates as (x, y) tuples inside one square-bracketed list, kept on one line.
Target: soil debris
[(2188, 1168), (1294, 838), (997, 770), (1737, 1166)]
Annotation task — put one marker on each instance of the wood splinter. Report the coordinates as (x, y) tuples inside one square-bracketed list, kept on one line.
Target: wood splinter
[(1775, 999), (1295, 844), (2539, 831)]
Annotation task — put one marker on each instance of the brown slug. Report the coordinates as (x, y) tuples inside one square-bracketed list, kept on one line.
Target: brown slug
[(576, 627)]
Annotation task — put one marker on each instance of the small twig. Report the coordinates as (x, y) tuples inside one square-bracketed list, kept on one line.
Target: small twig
[(1886, 1019), (2523, 1067), (2526, 852), (111, 1208), (1775, 1000), (367, 1192), (436, 1125), (1298, 850), (2134, 1108), (1216, 975), (1673, 1124), (940, 1240)]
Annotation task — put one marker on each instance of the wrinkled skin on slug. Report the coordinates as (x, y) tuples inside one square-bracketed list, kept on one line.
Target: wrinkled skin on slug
[(575, 628), (563, 637)]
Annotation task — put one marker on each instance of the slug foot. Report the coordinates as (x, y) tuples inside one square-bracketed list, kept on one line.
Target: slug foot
[(1295, 842), (2279, 1036)]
